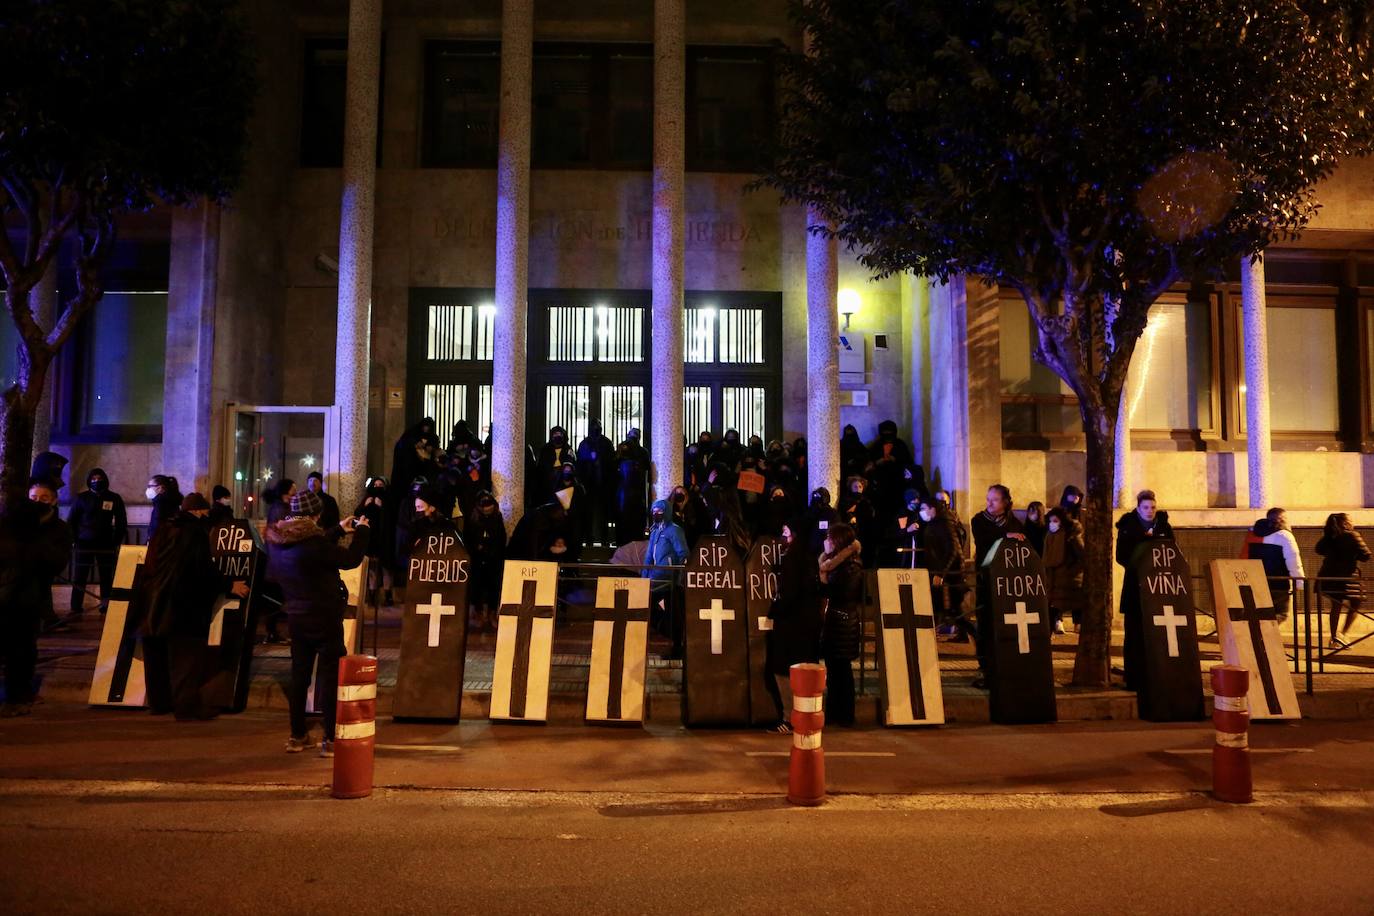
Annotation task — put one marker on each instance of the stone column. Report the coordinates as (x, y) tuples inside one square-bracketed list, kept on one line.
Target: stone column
[(982, 322), (670, 157), (1121, 480), (512, 259), (916, 292), (43, 301), (822, 359), (352, 348), (948, 454), (187, 409), (1256, 353)]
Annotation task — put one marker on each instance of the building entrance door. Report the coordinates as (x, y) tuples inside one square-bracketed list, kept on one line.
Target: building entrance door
[(266, 444)]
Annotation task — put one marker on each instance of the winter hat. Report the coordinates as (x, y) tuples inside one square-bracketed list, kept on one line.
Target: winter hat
[(306, 503), (219, 492), (194, 502)]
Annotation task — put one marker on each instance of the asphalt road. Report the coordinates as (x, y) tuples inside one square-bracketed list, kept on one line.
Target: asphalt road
[(152, 848)]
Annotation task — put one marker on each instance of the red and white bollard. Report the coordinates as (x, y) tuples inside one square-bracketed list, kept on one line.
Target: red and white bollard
[(806, 772), (1231, 780), (355, 726)]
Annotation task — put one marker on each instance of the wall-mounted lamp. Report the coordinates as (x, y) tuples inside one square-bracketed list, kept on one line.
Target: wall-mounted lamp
[(848, 303)]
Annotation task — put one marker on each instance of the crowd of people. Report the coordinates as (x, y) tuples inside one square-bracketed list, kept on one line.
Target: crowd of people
[(593, 492)]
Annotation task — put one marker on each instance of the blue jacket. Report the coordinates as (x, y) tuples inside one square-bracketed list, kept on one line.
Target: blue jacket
[(667, 543)]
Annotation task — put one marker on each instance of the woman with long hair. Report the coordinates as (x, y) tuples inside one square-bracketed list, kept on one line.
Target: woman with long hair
[(1342, 551), (841, 573)]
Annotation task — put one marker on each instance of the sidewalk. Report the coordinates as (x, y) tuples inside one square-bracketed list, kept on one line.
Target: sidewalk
[(67, 660)]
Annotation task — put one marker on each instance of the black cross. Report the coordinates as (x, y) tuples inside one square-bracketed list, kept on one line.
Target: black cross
[(524, 613), (620, 616), (911, 623), (128, 640), (1253, 615)]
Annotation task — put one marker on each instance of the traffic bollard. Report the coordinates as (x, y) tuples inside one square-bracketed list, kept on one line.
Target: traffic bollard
[(1231, 779), (806, 771), (355, 726)]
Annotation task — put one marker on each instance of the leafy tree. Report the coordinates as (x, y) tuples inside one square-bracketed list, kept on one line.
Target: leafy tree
[(1088, 154), (109, 107)]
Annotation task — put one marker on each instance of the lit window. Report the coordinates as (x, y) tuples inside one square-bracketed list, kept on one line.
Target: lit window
[(622, 408), (698, 335), (696, 410), (1170, 383), (568, 406), (744, 409)]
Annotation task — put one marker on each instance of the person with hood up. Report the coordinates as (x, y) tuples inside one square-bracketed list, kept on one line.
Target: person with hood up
[(99, 525), (667, 542), (1071, 501), (462, 438), (842, 580), (1064, 556), (817, 519), (485, 534), (777, 511), (178, 590), (428, 521), (890, 458), (730, 451), (596, 472), (857, 511), (406, 465), (373, 509), (221, 505), (796, 613), (306, 561), (632, 469), (853, 453), (552, 456), (1133, 530), (35, 545), (699, 457)]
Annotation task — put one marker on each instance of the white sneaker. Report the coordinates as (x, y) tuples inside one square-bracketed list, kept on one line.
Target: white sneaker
[(1059, 628)]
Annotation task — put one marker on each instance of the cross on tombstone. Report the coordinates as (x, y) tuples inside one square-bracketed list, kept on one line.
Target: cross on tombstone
[(524, 613), (911, 623), (128, 642), (620, 616), (717, 613), (1249, 613), (1171, 623), (1022, 621), (436, 610)]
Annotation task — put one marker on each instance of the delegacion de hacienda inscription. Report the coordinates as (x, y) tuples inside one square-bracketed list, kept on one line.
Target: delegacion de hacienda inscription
[(577, 228)]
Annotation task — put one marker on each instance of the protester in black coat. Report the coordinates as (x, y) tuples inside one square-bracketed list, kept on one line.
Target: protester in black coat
[(485, 534), (994, 523), (796, 616), (165, 495), (817, 519), (552, 455), (942, 555), (842, 581), (99, 525), (857, 510), (306, 562), (890, 458), (329, 514), (178, 591), (596, 471), (1342, 551), (1034, 526), (379, 549), (1133, 530), (221, 506), (632, 509), (35, 544)]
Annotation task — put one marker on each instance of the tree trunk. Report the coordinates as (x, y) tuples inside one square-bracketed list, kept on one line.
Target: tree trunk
[(1093, 661), (16, 448)]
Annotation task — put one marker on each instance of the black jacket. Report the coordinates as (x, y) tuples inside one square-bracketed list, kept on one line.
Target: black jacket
[(305, 562), (796, 612), (180, 581), (1131, 533), (98, 519), (33, 550), (987, 532), (165, 508)]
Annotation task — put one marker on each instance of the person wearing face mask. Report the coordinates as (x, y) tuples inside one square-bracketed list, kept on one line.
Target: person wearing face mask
[(429, 520), (795, 637), (903, 537), (777, 511), (730, 451), (99, 525), (165, 495), (306, 562), (550, 461), (485, 534), (595, 471), (890, 458), (35, 545), (853, 452), (329, 515), (817, 519), (373, 508), (632, 469), (942, 555), (1133, 530), (667, 542), (856, 510), (178, 590), (1063, 556), (221, 506), (841, 575)]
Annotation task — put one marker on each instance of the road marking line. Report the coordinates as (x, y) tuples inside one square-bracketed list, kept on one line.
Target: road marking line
[(418, 747), (827, 753), (1253, 750)]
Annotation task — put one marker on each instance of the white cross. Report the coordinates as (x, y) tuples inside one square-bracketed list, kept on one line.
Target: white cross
[(716, 613), (437, 611), (1022, 621), (1171, 622)]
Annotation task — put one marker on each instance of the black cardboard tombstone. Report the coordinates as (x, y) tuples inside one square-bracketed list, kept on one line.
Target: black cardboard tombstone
[(1171, 690), (1020, 664), (716, 668), (234, 551), (118, 676), (434, 631), (761, 583)]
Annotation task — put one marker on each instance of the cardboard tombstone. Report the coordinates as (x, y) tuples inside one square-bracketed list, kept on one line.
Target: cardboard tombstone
[(1171, 688), (354, 581), (1020, 663), (524, 642), (1248, 627), (620, 648), (239, 559), (434, 631), (118, 678), (911, 663), (761, 583), (716, 667)]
